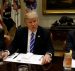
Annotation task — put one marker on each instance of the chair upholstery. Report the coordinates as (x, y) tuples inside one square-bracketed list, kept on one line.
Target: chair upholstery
[(58, 39)]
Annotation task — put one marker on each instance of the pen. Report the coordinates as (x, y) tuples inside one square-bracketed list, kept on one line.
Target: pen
[(41, 57), (16, 56)]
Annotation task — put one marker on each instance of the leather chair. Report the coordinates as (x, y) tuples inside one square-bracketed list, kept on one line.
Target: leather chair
[(59, 42)]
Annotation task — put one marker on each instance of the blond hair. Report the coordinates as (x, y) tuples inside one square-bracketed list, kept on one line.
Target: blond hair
[(31, 14)]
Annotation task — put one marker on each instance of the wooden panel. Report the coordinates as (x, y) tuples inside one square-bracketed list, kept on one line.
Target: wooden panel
[(3, 67)]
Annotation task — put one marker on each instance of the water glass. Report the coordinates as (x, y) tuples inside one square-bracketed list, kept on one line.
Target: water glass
[(67, 61)]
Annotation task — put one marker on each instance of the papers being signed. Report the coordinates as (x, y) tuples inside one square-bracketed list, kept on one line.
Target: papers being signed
[(73, 63), (28, 58)]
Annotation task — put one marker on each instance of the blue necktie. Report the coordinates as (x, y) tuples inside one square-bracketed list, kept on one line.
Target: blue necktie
[(32, 40)]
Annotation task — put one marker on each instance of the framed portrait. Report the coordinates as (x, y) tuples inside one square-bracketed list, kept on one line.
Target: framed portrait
[(58, 6)]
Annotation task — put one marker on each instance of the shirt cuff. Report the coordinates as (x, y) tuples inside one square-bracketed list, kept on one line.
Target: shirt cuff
[(7, 52), (49, 54)]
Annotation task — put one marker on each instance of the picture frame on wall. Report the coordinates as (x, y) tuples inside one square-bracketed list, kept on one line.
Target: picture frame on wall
[(58, 6)]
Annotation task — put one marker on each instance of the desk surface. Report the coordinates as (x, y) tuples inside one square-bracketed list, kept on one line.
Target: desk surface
[(56, 66), (72, 69)]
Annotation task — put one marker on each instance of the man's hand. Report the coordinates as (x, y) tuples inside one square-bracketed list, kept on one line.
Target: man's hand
[(4, 54), (46, 59)]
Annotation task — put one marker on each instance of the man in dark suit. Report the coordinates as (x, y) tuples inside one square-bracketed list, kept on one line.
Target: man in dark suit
[(70, 45), (70, 42), (21, 42)]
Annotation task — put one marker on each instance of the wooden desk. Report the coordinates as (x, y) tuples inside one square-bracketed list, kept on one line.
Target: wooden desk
[(3, 66), (56, 66), (8, 66)]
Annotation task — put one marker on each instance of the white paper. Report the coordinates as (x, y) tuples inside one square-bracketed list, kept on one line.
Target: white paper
[(73, 63), (28, 58)]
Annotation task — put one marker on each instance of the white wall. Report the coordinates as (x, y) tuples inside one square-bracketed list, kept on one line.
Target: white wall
[(47, 20)]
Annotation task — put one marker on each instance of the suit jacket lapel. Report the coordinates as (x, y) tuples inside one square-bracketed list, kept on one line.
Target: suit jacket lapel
[(37, 37), (25, 38)]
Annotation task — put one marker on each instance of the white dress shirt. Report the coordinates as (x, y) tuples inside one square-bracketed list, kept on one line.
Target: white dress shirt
[(28, 42)]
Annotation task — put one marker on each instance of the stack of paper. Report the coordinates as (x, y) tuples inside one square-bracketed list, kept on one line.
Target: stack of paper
[(28, 58), (73, 63)]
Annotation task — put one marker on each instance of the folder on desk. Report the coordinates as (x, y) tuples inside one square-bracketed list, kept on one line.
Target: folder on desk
[(73, 63), (28, 58)]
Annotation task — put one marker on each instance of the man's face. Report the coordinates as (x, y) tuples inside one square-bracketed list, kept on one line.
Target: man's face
[(32, 24)]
